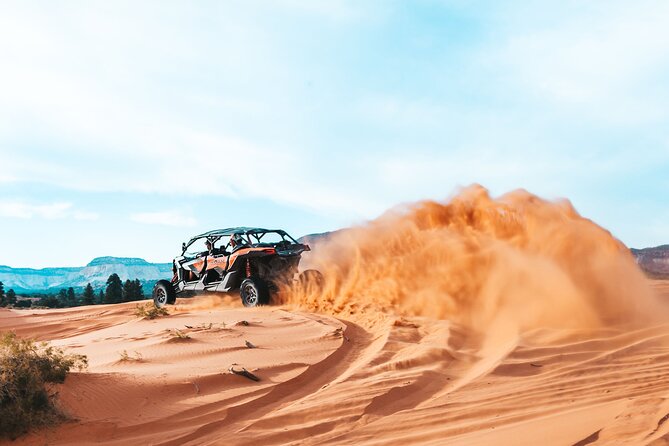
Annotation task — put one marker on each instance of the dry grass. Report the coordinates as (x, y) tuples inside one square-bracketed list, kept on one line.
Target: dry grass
[(179, 335), (150, 311), (126, 357)]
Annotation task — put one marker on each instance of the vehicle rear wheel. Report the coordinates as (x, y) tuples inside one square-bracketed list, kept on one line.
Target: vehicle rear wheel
[(163, 293), (254, 291)]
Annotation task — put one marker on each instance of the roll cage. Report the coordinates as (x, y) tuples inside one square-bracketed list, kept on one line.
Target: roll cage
[(251, 236)]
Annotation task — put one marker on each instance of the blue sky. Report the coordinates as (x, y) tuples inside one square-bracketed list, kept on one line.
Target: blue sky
[(127, 127)]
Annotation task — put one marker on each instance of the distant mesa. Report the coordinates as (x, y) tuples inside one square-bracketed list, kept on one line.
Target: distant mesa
[(653, 261), (117, 261), (96, 272)]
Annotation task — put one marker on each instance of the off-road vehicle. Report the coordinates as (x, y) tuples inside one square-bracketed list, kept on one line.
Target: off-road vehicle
[(254, 260)]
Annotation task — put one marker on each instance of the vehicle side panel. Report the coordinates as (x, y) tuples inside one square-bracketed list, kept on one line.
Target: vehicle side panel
[(231, 281)]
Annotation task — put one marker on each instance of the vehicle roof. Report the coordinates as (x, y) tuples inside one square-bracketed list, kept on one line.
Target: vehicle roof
[(237, 230)]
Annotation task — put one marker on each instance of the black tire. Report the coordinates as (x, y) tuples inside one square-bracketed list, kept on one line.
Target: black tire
[(163, 293), (311, 279), (254, 291)]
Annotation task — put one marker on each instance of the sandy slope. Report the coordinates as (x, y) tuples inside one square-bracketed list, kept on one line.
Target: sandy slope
[(381, 380)]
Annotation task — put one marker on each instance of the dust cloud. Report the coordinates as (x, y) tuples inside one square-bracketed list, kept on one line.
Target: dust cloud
[(478, 260)]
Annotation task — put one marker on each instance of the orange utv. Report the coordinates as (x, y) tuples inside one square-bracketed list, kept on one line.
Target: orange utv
[(253, 260)]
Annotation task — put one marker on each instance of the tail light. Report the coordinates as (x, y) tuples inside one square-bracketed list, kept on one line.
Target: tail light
[(248, 268)]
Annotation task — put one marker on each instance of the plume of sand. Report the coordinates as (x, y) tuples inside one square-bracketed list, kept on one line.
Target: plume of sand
[(518, 261)]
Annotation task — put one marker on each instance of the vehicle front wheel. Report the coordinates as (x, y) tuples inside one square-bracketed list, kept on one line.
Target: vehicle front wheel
[(254, 291), (163, 293)]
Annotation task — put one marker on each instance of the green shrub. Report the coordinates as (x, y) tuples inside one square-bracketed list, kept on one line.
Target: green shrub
[(26, 371), (150, 311)]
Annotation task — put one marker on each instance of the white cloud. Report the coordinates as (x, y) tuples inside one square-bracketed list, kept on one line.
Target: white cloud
[(336, 10), (112, 128), (606, 61), (16, 209), (86, 216), (391, 110), (6, 177), (48, 211), (166, 218), (97, 93)]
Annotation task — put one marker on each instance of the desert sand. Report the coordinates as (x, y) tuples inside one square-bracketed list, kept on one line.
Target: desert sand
[(510, 321), (399, 380)]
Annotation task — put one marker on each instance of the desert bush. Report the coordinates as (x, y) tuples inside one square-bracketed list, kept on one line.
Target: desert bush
[(27, 369), (150, 311)]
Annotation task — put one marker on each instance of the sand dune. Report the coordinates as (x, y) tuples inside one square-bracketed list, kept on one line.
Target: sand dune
[(391, 380)]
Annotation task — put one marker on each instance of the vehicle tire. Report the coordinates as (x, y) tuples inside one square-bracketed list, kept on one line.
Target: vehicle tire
[(163, 293), (311, 279), (254, 291)]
